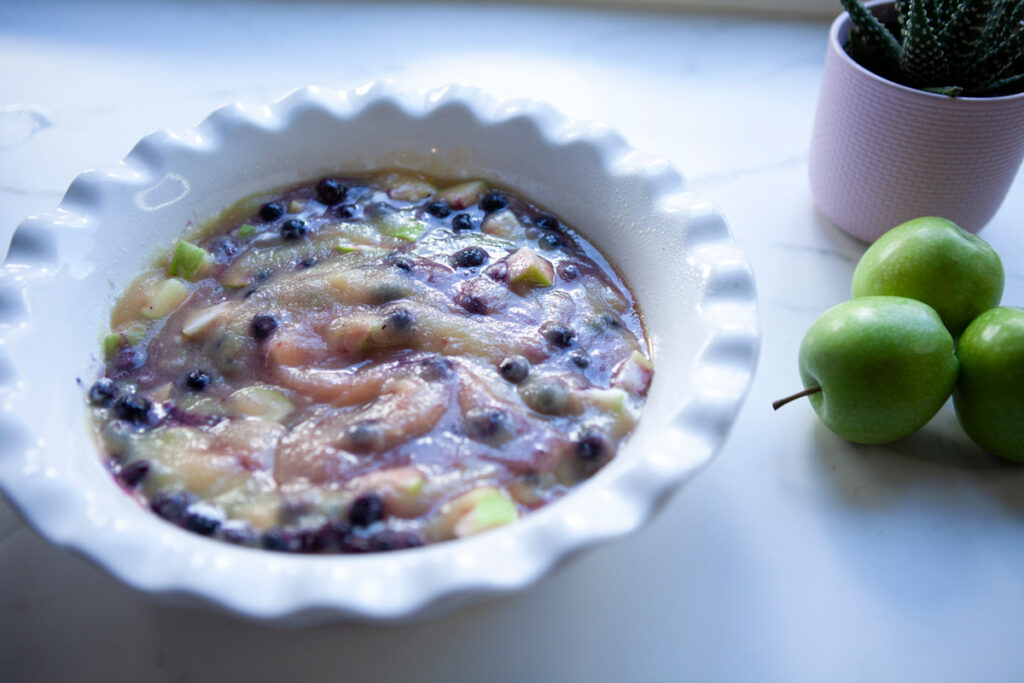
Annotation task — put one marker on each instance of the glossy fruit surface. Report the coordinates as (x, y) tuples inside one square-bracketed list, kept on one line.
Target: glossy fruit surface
[(989, 396), (933, 260), (885, 366)]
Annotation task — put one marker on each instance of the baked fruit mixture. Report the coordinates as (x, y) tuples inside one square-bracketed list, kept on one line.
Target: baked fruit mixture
[(369, 363)]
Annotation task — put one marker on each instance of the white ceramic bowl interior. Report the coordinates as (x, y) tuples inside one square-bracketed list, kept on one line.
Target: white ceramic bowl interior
[(65, 268)]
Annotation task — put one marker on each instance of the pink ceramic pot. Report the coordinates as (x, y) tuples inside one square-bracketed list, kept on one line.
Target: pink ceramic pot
[(883, 153)]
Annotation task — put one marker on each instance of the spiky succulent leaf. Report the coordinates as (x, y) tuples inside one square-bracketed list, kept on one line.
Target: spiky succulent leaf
[(951, 47), (872, 37), (902, 12), (996, 64), (1005, 18), (923, 61), (963, 32), (1004, 86)]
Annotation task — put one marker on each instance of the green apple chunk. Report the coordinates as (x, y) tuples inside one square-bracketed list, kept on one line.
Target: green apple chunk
[(933, 260), (463, 195), (989, 395), (163, 298), (189, 261), (884, 366), (488, 508), (400, 225), (527, 270)]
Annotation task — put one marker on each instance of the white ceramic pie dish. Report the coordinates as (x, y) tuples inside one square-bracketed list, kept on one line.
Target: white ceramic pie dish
[(65, 268)]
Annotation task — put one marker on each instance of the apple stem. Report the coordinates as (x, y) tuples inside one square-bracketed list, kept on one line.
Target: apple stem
[(783, 401)]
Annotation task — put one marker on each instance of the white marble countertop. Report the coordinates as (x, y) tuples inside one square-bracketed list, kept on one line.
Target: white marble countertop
[(795, 557)]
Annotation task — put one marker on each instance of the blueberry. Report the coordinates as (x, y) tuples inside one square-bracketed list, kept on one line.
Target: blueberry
[(133, 408), (400, 261), (549, 241), (493, 201), (128, 359), (469, 257), (580, 358), (103, 392), (280, 539), (557, 335), (202, 519), (462, 221), (590, 447), (568, 271), (293, 229), (307, 262), (399, 320), (547, 222), (197, 380), (549, 396), (485, 424), (224, 249), (261, 276), (329, 191), (388, 539), (170, 505), (388, 290), (333, 535), (514, 369), (366, 509), (262, 325), (345, 211), (133, 473), (271, 211), (439, 209), (435, 368), (238, 533), (362, 436), (472, 304), (497, 271), (607, 321)]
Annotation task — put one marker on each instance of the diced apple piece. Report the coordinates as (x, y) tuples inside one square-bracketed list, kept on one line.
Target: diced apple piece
[(612, 404), (407, 187), (260, 401), (503, 224), (233, 351), (488, 508), (245, 231), (297, 206), (164, 297), (199, 323), (401, 488), (547, 395), (527, 270), (373, 286), (462, 195), (181, 457), (162, 392), (135, 298), (634, 374), (253, 439), (401, 226), (190, 262), (200, 405), (111, 343), (351, 333), (261, 512), (127, 334)]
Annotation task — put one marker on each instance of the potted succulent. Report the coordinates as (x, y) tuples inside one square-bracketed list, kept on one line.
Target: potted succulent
[(921, 112)]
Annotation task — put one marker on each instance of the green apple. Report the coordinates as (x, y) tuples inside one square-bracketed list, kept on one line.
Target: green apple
[(989, 396), (935, 261), (877, 368)]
